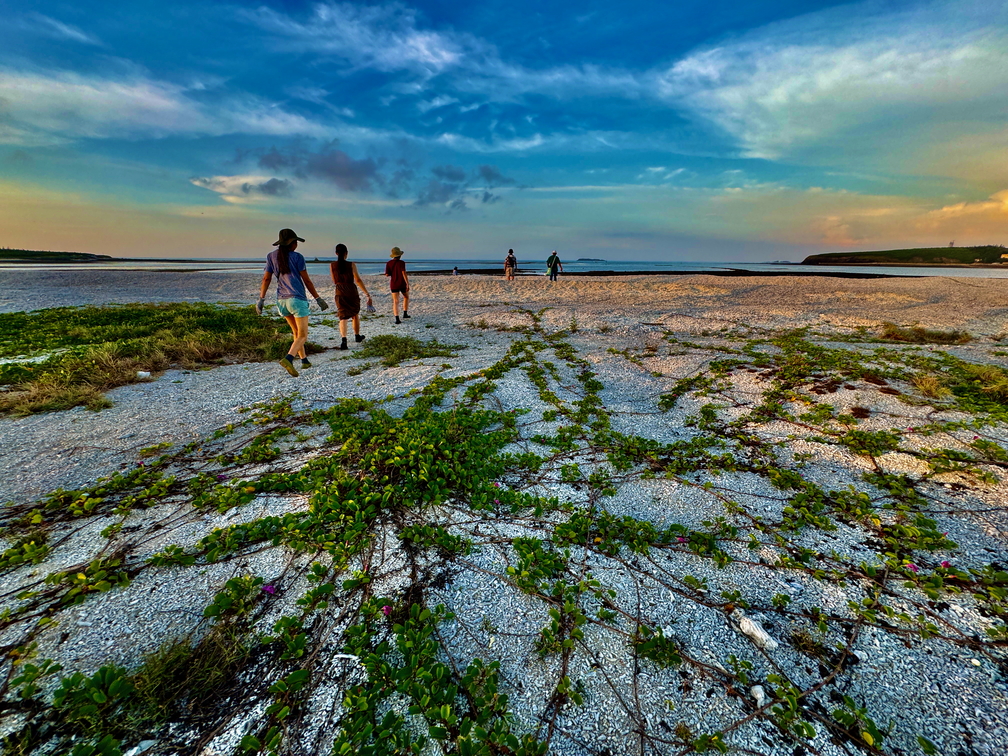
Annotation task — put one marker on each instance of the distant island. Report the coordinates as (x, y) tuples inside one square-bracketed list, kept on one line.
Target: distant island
[(39, 256), (590, 259), (988, 254)]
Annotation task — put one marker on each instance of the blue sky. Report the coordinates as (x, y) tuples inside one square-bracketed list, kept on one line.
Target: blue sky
[(692, 131)]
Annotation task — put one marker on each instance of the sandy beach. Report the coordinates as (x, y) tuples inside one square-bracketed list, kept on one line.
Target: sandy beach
[(922, 661), (978, 304)]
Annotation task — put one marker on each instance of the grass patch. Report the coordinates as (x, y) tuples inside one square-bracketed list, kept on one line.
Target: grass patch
[(930, 386), (100, 348), (918, 335), (180, 678), (176, 681), (991, 380), (392, 350)]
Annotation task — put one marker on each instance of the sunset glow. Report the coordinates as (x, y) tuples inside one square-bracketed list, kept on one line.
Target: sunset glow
[(691, 131)]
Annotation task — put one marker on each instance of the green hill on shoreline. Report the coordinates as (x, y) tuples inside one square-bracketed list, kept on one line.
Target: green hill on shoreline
[(988, 254), (40, 256)]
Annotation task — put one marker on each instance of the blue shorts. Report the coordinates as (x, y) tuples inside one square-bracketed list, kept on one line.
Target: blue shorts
[(293, 306)]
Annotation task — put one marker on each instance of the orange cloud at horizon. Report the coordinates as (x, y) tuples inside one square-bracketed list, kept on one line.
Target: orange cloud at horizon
[(38, 218), (847, 219)]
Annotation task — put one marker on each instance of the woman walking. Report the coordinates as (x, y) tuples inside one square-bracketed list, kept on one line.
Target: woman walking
[(346, 280), (292, 302), (395, 269)]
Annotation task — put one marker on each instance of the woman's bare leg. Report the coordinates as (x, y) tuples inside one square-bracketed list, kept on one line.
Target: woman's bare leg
[(356, 325), (299, 327), (395, 303), (292, 322), (342, 327)]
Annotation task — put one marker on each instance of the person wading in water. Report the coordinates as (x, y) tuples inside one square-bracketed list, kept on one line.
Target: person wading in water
[(292, 302), (346, 280)]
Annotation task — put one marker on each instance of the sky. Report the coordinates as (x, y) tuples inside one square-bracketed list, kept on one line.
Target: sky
[(698, 130)]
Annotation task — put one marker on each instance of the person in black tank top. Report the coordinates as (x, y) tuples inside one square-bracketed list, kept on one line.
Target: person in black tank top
[(346, 279)]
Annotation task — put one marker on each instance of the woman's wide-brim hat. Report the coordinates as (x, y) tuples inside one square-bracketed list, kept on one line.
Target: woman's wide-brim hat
[(287, 237), (396, 252)]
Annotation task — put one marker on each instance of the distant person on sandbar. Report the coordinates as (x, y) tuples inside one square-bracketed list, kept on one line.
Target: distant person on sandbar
[(395, 269), (553, 265), (455, 271), (346, 279), (510, 263), (292, 302)]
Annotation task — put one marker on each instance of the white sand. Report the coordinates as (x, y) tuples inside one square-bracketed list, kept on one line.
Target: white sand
[(979, 305), (930, 688)]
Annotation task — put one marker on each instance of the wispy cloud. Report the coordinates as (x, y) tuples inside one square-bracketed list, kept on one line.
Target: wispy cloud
[(839, 218), (425, 106), (241, 189), (991, 212), (840, 74), (382, 37), (392, 38), (51, 27), (49, 107), (319, 96), (468, 144)]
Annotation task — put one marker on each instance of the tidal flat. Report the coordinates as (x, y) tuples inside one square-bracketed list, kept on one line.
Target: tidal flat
[(602, 516)]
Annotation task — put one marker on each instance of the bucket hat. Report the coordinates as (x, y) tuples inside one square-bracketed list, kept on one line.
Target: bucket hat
[(396, 252), (287, 236)]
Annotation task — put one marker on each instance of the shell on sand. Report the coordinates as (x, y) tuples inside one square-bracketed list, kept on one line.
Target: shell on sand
[(753, 630)]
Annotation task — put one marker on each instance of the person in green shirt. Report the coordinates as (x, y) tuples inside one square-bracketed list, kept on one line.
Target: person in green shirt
[(554, 266)]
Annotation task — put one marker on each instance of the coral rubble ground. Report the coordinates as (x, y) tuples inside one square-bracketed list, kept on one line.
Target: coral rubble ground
[(642, 515)]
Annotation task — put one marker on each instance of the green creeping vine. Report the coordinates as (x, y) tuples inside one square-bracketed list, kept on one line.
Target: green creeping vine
[(465, 714), (455, 482)]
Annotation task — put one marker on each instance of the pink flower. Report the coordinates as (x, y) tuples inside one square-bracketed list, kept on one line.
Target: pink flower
[(496, 484), (496, 501), (222, 477), (680, 539), (270, 589), (976, 438), (946, 564), (912, 567), (386, 610)]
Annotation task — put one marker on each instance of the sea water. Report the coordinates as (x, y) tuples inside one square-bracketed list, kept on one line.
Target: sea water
[(526, 267)]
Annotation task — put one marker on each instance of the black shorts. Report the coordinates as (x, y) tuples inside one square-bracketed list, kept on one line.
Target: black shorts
[(401, 290)]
